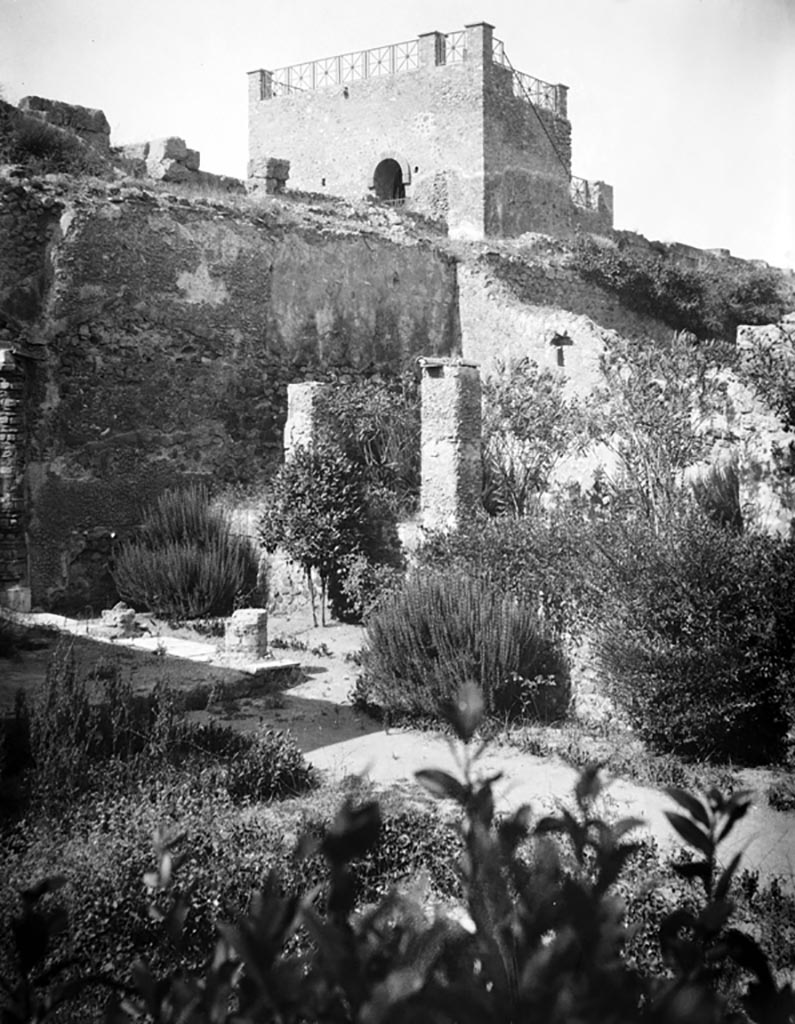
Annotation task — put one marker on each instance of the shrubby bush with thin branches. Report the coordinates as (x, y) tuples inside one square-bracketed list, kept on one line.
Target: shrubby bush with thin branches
[(440, 628)]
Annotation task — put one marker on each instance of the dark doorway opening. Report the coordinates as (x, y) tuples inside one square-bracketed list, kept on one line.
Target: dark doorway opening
[(388, 181)]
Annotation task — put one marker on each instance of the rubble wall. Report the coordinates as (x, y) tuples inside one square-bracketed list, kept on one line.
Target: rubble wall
[(159, 339)]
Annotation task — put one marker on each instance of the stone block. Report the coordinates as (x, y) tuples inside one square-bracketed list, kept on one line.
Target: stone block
[(192, 159), (135, 151), (171, 148), (246, 634), (120, 618), (168, 170), (302, 402)]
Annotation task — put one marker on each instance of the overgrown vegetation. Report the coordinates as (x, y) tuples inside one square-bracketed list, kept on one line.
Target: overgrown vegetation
[(327, 517), (440, 628), (43, 148), (543, 934), (697, 638), (528, 425), (185, 561), (710, 301)]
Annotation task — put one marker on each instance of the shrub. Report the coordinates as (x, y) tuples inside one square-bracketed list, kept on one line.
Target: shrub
[(377, 424), (438, 629), (710, 301), (547, 558), (528, 425), (271, 768), (697, 638), (185, 562)]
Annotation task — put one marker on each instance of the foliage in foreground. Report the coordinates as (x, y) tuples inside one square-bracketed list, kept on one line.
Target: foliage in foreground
[(440, 628), (185, 562), (536, 942)]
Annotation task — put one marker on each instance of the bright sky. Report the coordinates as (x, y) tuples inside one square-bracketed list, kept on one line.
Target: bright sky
[(686, 106)]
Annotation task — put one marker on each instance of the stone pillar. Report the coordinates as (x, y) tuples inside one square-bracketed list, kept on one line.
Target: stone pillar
[(260, 86), (480, 43), (246, 635), (432, 49), (302, 409), (450, 440), (562, 100), (14, 591)]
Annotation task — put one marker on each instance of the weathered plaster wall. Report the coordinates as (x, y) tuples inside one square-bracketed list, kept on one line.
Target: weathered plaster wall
[(171, 330), (512, 308)]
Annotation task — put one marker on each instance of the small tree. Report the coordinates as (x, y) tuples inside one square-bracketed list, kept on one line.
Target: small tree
[(318, 500)]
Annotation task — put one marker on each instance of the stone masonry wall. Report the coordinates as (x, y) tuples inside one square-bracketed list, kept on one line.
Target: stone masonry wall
[(428, 120), (169, 330), (527, 161), (511, 309)]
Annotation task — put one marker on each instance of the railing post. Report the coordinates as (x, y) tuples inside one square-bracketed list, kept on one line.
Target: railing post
[(260, 85), (562, 100), (431, 49), (480, 42)]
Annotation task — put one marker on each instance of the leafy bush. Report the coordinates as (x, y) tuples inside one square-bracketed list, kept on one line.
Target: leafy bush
[(528, 424), (697, 638), (547, 558), (185, 562), (438, 629), (377, 424), (270, 768)]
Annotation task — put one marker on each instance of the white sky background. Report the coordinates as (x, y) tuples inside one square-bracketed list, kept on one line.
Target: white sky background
[(687, 107)]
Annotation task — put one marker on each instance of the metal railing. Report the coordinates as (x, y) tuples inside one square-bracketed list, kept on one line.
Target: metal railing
[(541, 93), (455, 47), (582, 195), (397, 58), (347, 67)]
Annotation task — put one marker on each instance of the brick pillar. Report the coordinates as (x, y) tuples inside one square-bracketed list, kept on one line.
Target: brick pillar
[(302, 403), (450, 440), (562, 100), (480, 43), (432, 49), (260, 86), (14, 591)]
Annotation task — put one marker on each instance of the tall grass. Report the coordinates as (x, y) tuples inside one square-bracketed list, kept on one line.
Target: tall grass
[(185, 562)]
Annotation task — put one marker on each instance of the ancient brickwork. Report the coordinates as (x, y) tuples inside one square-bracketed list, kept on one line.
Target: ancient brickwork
[(450, 442)]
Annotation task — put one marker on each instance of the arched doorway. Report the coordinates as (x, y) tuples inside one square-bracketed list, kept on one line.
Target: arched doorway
[(388, 180)]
